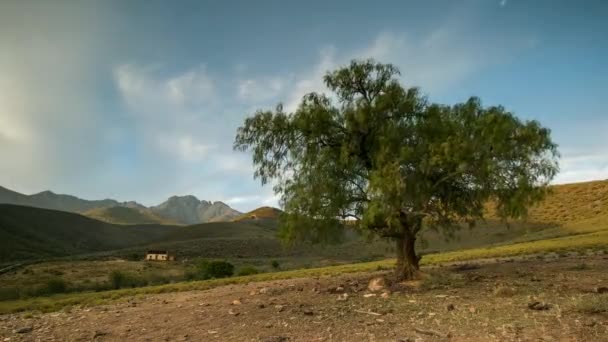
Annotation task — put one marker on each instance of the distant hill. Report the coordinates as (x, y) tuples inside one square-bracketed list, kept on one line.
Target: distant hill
[(259, 214), (190, 210), (127, 215), (32, 233), (177, 209), (51, 200)]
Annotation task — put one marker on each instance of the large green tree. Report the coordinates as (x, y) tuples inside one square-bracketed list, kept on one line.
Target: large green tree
[(385, 157)]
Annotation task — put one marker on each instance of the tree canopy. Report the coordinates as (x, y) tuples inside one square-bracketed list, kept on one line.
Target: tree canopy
[(385, 156)]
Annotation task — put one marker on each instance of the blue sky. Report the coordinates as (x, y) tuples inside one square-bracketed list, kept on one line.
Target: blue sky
[(140, 100)]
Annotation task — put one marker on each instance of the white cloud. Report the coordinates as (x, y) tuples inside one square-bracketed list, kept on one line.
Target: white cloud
[(172, 111), (146, 92), (503, 3), (434, 62), (261, 90), (580, 167), (250, 202)]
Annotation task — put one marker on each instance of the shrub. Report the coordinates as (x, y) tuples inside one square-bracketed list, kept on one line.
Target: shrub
[(215, 269), (9, 293), (248, 270), (593, 304), (275, 264), (118, 279), (56, 285)]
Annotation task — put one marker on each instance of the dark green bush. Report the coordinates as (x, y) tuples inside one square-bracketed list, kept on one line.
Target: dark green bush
[(248, 270), (215, 269), (275, 264), (118, 279), (9, 293), (56, 285)]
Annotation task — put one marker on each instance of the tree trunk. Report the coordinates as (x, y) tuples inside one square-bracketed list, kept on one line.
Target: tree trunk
[(407, 260)]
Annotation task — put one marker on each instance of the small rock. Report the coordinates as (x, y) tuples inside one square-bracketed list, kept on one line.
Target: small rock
[(263, 290), (99, 333), (233, 313), (385, 295), (369, 295), (450, 307), (274, 339), (602, 289), (539, 306), (343, 297), (268, 325), (279, 307), (236, 302), (24, 330), (308, 312), (339, 289), (472, 310), (377, 284)]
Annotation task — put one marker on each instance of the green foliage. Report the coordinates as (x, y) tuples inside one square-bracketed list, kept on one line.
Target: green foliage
[(387, 157), (214, 269), (248, 270), (56, 285), (275, 264), (118, 279)]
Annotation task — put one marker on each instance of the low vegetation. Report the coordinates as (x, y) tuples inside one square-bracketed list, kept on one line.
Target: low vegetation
[(592, 304), (580, 243)]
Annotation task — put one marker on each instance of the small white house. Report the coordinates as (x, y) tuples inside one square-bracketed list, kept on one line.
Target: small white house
[(159, 256)]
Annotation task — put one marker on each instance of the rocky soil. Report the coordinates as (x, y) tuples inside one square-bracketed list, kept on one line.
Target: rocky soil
[(512, 300)]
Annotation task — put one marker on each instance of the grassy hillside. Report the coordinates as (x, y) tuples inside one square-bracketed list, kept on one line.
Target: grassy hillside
[(572, 203), (29, 233), (260, 213), (34, 233), (125, 215)]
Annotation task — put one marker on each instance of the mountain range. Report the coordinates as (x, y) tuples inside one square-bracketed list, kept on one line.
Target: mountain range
[(175, 210)]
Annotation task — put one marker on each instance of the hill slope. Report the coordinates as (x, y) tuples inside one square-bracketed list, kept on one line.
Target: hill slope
[(27, 233), (126, 215), (260, 213), (32, 233)]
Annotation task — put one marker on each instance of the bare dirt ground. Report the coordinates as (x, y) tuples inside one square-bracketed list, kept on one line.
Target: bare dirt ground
[(484, 302)]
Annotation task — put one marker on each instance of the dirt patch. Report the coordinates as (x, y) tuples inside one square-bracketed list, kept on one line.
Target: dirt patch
[(341, 309)]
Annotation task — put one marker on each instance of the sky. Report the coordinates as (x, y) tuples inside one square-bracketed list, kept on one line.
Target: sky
[(140, 100)]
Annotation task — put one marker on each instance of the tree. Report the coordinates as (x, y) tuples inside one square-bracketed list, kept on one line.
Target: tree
[(385, 156)]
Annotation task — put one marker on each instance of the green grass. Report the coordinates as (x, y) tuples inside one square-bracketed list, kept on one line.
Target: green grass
[(57, 302)]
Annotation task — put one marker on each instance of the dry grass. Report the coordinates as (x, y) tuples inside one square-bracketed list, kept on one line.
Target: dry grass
[(592, 304), (569, 203)]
